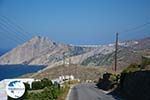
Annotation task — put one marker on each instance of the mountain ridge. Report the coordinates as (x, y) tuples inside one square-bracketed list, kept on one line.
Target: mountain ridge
[(42, 50), (39, 47)]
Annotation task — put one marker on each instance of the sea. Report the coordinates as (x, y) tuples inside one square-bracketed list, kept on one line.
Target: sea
[(13, 71)]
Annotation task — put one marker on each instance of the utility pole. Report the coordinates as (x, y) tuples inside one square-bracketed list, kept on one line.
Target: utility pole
[(69, 65), (116, 51), (69, 71)]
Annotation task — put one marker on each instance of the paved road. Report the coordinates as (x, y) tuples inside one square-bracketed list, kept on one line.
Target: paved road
[(88, 92)]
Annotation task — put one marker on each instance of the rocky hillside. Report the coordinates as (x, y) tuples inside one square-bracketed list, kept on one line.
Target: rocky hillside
[(41, 50), (129, 52), (81, 72)]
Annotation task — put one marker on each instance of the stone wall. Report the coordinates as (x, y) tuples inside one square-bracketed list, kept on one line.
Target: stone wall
[(136, 85)]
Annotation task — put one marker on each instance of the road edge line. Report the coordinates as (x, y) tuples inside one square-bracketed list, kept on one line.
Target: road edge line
[(67, 98)]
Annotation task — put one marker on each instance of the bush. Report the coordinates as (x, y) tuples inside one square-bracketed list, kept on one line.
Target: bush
[(131, 68), (41, 84), (37, 85), (49, 91), (145, 62), (27, 86), (45, 82)]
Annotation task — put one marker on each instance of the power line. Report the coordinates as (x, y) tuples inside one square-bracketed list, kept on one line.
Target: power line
[(10, 37), (129, 30), (15, 26), (11, 28), (135, 28), (10, 31)]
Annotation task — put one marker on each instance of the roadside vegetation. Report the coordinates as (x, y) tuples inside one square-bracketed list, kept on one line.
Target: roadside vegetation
[(45, 90), (132, 83)]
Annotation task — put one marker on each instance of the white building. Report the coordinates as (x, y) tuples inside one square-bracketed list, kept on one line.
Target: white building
[(66, 77)]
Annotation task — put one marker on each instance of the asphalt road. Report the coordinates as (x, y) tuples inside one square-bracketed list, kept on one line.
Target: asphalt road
[(88, 92)]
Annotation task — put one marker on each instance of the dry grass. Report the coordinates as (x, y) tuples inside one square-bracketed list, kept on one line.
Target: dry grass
[(80, 72), (64, 94)]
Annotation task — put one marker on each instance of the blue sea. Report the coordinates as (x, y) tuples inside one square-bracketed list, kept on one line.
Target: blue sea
[(12, 71)]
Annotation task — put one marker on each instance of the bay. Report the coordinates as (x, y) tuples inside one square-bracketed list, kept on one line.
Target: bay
[(12, 71)]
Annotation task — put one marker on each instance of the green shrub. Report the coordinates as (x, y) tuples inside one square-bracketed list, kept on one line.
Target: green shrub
[(37, 85), (45, 82), (131, 68), (145, 62), (41, 84), (49, 91), (27, 86)]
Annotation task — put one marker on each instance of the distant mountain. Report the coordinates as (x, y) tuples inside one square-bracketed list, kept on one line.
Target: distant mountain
[(129, 52), (41, 50)]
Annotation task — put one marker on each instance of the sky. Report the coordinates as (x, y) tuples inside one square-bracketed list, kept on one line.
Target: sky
[(73, 21)]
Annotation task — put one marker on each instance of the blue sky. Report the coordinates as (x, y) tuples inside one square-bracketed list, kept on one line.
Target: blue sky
[(73, 21)]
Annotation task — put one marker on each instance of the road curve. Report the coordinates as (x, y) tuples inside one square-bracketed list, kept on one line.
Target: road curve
[(88, 92)]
